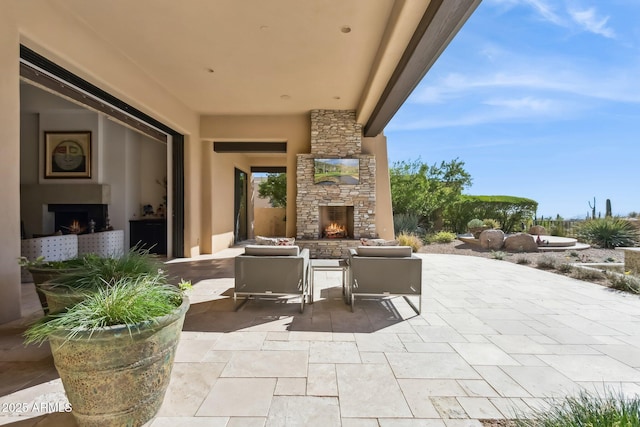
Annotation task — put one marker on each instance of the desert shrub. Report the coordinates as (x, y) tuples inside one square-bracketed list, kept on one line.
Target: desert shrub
[(633, 214), (523, 261), (574, 254), (587, 409), (498, 255), (442, 237), (545, 262), (491, 223), (565, 268), (475, 223), (608, 232), (587, 274), (625, 283), (410, 239), (407, 223)]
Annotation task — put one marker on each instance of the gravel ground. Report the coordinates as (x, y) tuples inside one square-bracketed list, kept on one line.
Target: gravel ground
[(532, 259)]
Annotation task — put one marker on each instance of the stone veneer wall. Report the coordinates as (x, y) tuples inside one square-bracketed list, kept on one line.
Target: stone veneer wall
[(335, 134)]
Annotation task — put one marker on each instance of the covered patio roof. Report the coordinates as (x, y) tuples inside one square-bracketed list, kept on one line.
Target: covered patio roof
[(253, 57)]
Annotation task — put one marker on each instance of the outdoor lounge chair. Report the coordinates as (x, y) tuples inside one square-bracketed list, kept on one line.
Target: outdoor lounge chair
[(272, 271), (385, 271)]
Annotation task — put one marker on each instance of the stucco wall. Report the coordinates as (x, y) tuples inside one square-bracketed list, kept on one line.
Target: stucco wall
[(217, 181), (10, 171), (384, 213)]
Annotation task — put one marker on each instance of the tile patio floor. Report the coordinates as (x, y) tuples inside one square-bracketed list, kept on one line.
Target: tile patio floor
[(493, 336)]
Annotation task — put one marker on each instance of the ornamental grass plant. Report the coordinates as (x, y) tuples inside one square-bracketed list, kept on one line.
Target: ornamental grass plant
[(588, 410), (127, 301), (95, 272)]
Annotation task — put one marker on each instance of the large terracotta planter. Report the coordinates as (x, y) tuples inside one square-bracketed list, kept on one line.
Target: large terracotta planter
[(118, 376)]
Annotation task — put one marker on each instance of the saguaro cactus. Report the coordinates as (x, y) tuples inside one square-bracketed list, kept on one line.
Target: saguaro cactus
[(608, 209), (593, 209)]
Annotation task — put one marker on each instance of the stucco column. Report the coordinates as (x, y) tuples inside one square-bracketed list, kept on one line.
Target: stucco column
[(10, 171)]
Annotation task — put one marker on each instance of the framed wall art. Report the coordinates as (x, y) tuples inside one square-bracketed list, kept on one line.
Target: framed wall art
[(67, 154)]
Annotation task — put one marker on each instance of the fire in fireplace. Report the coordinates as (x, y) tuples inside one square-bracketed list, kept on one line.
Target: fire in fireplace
[(78, 218), (336, 222), (335, 231)]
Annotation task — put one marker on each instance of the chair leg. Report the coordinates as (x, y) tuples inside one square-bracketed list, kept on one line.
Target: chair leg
[(353, 302)]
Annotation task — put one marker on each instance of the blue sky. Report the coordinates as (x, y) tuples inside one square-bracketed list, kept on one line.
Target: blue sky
[(540, 99)]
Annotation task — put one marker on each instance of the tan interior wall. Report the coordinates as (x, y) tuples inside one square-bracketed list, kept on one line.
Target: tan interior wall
[(384, 213), (10, 171), (53, 34), (218, 216)]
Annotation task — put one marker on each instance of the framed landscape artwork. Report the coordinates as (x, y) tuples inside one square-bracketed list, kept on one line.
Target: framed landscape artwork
[(67, 154)]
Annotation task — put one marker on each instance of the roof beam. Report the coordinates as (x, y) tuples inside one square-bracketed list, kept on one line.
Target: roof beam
[(440, 23)]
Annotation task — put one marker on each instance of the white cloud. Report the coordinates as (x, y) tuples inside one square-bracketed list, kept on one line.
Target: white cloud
[(527, 103), (545, 10), (588, 20)]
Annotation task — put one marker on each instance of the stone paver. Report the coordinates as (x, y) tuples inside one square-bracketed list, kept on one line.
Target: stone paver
[(494, 339)]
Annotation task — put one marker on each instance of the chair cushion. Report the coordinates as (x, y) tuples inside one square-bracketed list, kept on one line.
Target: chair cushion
[(262, 250), (275, 241), (378, 242), (385, 251)]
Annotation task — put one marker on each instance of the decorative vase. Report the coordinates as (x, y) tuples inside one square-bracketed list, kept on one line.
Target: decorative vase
[(118, 375)]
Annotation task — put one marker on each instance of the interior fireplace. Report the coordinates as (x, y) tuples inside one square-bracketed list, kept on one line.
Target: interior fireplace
[(336, 222), (75, 218)]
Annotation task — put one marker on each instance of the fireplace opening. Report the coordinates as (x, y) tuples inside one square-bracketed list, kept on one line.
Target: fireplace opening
[(76, 218), (336, 222)]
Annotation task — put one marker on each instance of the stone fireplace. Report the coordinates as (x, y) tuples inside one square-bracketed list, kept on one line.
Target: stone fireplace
[(335, 134)]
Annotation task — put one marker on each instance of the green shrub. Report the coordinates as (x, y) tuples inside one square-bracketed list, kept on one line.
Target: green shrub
[(498, 255), (523, 261), (491, 223), (410, 239), (624, 282), (442, 237), (545, 262), (608, 232), (475, 223), (588, 410)]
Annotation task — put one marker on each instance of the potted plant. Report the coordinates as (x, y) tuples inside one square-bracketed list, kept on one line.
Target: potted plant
[(114, 350), (44, 271), (93, 272)]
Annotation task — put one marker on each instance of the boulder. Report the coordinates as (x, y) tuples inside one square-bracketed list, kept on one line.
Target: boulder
[(521, 242), (538, 229), (492, 239)]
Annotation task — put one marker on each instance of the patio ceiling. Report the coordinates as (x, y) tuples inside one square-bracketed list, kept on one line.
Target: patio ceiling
[(230, 57)]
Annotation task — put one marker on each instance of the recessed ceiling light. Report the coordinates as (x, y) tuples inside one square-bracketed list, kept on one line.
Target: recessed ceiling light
[(346, 29), (285, 97)]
